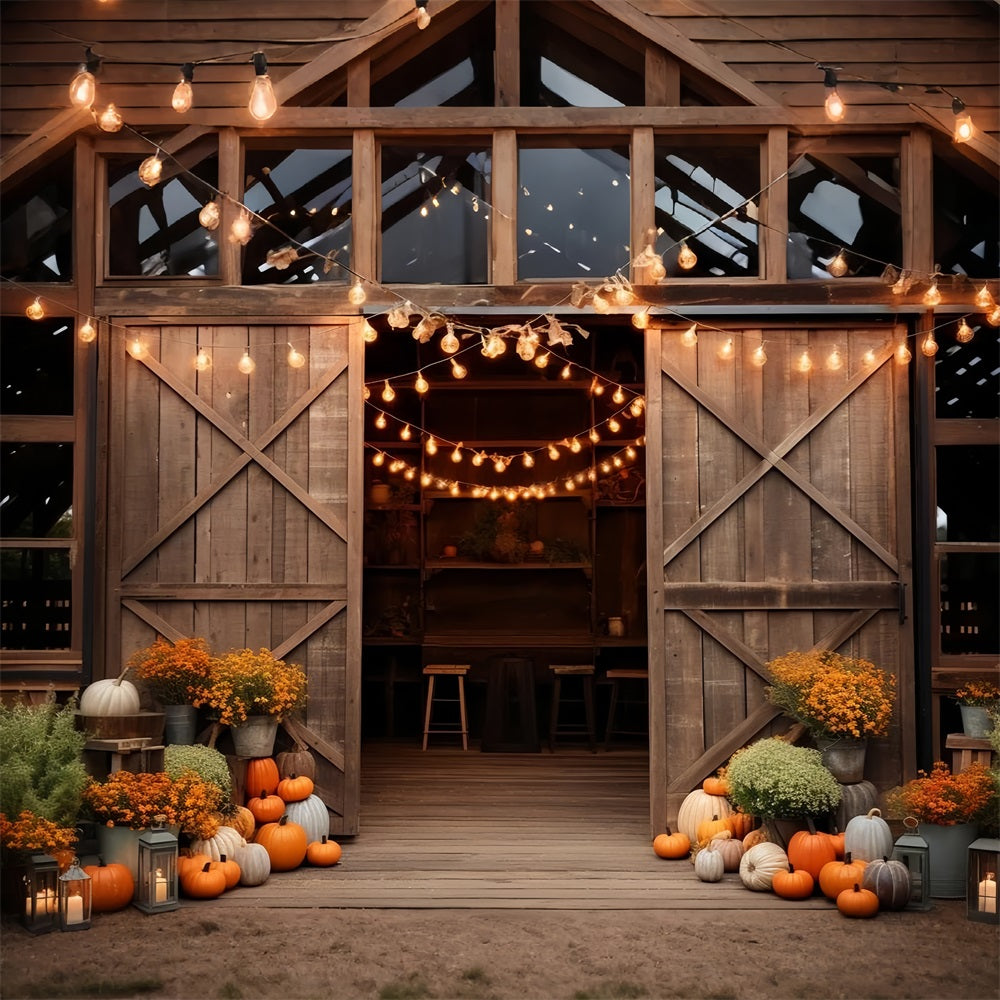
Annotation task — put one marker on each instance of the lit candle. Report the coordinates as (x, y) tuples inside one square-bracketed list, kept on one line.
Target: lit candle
[(74, 910), (45, 902), (988, 894), (160, 895)]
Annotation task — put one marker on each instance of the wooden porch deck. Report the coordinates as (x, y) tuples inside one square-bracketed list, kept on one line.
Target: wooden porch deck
[(443, 829)]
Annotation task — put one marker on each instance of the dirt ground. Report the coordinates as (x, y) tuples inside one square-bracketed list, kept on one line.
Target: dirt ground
[(201, 952)]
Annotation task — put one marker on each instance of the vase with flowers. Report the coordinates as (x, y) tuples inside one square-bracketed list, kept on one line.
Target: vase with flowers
[(978, 701), (841, 700), (251, 691)]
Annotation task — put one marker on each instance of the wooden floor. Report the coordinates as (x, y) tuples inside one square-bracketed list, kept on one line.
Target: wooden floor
[(453, 830)]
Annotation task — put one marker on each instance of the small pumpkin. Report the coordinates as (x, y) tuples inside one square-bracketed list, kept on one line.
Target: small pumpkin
[(868, 837), (836, 876), (191, 862), (793, 883), (254, 862), (295, 788), (810, 850), (708, 828), (298, 761), (759, 864), (857, 902), (755, 837), (890, 881), (837, 839), (111, 886), (671, 845), (110, 697), (285, 843), (266, 808), (731, 849), (230, 869), (708, 865), (699, 806), (242, 821), (204, 883), (323, 853), (715, 786), (312, 815), (225, 841), (261, 775), (740, 824)]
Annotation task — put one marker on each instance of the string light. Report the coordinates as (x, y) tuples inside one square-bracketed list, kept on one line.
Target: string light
[(456, 455), (903, 354), (566, 372), (431, 446), (983, 299), (932, 296), (87, 333), (357, 295), (35, 310), (388, 393), (686, 257), (964, 333), (758, 357), (136, 347), (527, 460), (110, 119), (690, 336), (727, 351), (964, 129), (804, 364), (618, 396), (381, 422), (929, 347), (499, 465), (833, 105), (406, 433), (600, 304), (240, 231), (640, 320), (868, 358), (202, 360), (478, 458), (246, 364), (834, 360), (183, 96), (262, 103), (542, 360), (459, 371), (423, 16), (378, 458), (993, 316), (210, 216), (449, 342), (83, 86), (296, 359), (838, 266), (421, 384), (151, 170), (368, 333), (614, 426)]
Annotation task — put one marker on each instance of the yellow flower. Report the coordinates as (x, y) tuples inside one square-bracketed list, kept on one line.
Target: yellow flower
[(244, 682)]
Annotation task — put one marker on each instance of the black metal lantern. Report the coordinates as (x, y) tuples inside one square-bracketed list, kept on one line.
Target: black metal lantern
[(981, 881), (41, 894), (156, 890), (75, 898), (913, 851)]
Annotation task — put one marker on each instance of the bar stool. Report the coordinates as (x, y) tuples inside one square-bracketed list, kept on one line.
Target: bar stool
[(617, 676), (585, 671), (458, 671)]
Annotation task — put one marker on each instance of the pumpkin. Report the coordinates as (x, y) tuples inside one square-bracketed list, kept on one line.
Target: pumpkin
[(204, 883), (254, 862), (191, 862), (699, 806), (298, 761), (323, 853), (759, 864), (708, 828), (242, 821), (868, 837), (671, 845), (225, 841), (740, 824), (731, 849), (809, 850), (110, 696), (295, 788), (837, 839), (715, 786), (312, 815), (755, 837), (709, 866), (794, 883), (857, 902), (836, 876), (261, 775), (285, 843), (229, 868), (890, 881), (266, 808), (111, 886), (855, 800)]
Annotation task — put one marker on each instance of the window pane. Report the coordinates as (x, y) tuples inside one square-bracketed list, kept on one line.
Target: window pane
[(967, 376), (696, 185), (26, 385), (36, 490), (573, 213), (35, 609), (156, 229), (37, 225), (964, 514), (966, 223), (969, 598), (435, 215), (305, 194), (843, 202)]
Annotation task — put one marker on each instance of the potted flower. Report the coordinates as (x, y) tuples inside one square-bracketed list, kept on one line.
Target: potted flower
[(975, 700), (250, 692), (841, 700)]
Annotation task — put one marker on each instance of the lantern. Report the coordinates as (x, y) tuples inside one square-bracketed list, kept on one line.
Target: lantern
[(40, 894), (981, 881), (75, 895), (913, 851), (156, 888)]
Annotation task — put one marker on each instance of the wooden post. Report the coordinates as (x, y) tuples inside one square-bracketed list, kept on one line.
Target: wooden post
[(917, 196), (365, 207), (507, 71), (505, 207), (774, 207), (230, 183)]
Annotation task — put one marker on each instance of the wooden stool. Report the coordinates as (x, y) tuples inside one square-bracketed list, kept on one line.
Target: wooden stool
[(458, 671), (616, 676), (966, 750), (585, 671)]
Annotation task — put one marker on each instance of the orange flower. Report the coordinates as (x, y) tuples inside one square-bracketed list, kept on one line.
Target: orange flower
[(33, 833), (176, 673), (944, 798), (245, 683), (983, 693)]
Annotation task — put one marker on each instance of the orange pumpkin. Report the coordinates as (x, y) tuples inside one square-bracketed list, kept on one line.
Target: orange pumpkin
[(266, 808), (323, 853), (285, 843), (836, 876), (191, 863), (205, 882), (111, 886), (796, 883), (755, 837), (837, 839), (740, 824), (230, 869), (262, 775), (295, 788), (671, 845), (708, 828), (715, 786), (242, 821), (857, 902), (810, 850)]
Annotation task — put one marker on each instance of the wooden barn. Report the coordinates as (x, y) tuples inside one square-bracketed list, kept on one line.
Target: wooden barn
[(513, 335)]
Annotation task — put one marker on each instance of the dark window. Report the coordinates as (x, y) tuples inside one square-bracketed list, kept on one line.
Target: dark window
[(966, 223), (36, 483), (35, 603), (970, 595), (964, 514), (967, 376), (36, 366)]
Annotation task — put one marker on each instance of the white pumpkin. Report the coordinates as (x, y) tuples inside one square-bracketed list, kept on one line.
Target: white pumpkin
[(312, 815), (868, 838), (698, 807), (110, 696), (254, 862), (709, 865), (226, 841), (759, 865)]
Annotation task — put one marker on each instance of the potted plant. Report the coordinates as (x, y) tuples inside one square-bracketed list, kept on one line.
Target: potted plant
[(975, 700), (841, 700)]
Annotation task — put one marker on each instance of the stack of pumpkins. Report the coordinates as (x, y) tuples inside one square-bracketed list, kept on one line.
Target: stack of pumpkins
[(851, 868), (283, 824)]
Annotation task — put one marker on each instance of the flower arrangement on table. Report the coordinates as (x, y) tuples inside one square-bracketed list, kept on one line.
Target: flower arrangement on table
[(832, 695), (176, 673), (983, 694), (31, 834), (244, 683), (945, 799), (137, 800)]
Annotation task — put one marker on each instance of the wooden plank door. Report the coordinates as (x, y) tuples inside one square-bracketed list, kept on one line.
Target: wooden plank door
[(235, 510), (778, 520)]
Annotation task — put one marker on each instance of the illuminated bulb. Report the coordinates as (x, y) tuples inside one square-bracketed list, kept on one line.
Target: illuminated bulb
[(136, 348), (478, 458), (240, 231), (209, 216), (542, 360), (618, 396), (405, 434), (456, 455), (475, 204), (686, 257), (617, 461), (804, 364), (903, 354), (424, 330), (614, 426), (835, 360), (202, 360), (378, 458), (657, 269), (423, 18), (993, 316), (596, 389), (421, 385), (151, 170), (459, 371), (630, 452), (601, 305), (983, 299), (296, 359), (246, 364), (454, 489), (566, 372), (183, 96), (623, 296), (449, 342), (366, 393), (964, 333), (690, 336), (262, 103), (868, 358), (435, 202), (423, 211), (758, 357), (380, 421), (640, 320), (410, 473), (87, 332), (35, 310), (932, 296), (575, 446), (388, 394), (593, 435), (368, 333), (964, 129), (426, 479), (553, 453), (929, 347), (357, 295), (727, 351), (110, 120), (527, 460), (834, 106), (569, 485), (499, 465), (605, 467), (398, 318), (431, 446), (838, 266), (635, 407), (83, 86)]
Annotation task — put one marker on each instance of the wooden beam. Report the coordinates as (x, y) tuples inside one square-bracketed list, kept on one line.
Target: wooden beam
[(643, 172), (981, 148), (504, 184), (231, 184), (55, 131), (785, 595), (507, 68), (774, 206), (917, 197), (302, 734), (663, 78), (365, 211)]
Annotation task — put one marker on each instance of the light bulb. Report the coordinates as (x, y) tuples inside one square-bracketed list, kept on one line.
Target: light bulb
[(804, 364), (478, 458), (151, 170), (431, 446), (993, 316), (87, 332), (727, 351), (623, 296), (618, 396), (110, 120), (686, 257), (246, 364), (600, 304), (378, 458), (635, 407), (388, 393), (542, 360), (424, 330), (932, 296), (758, 357), (209, 217), (357, 295), (929, 347), (183, 96), (380, 421), (366, 393), (423, 18), (449, 342), (593, 435), (575, 446), (984, 300), (240, 231), (868, 358), (262, 103), (566, 372), (614, 426), (136, 347), (690, 336), (459, 371), (35, 310), (964, 333), (964, 129), (657, 269), (456, 455), (838, 266), (499, 465), (398, 318), (553, 453), (527, 460), (640, 320), (903, 354), (368, 333), (834, 106), (406, 433), (835, 360), (82, 89), (296, 359), (421, 384), (202, 360)]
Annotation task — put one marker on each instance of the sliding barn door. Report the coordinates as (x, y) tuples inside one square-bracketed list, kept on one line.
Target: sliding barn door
[(778, 520), (234, 511)]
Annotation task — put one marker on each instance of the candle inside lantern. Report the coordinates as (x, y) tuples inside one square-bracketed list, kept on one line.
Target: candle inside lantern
[(988, 894), (74, 910), (160, 893), (45, 902)]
